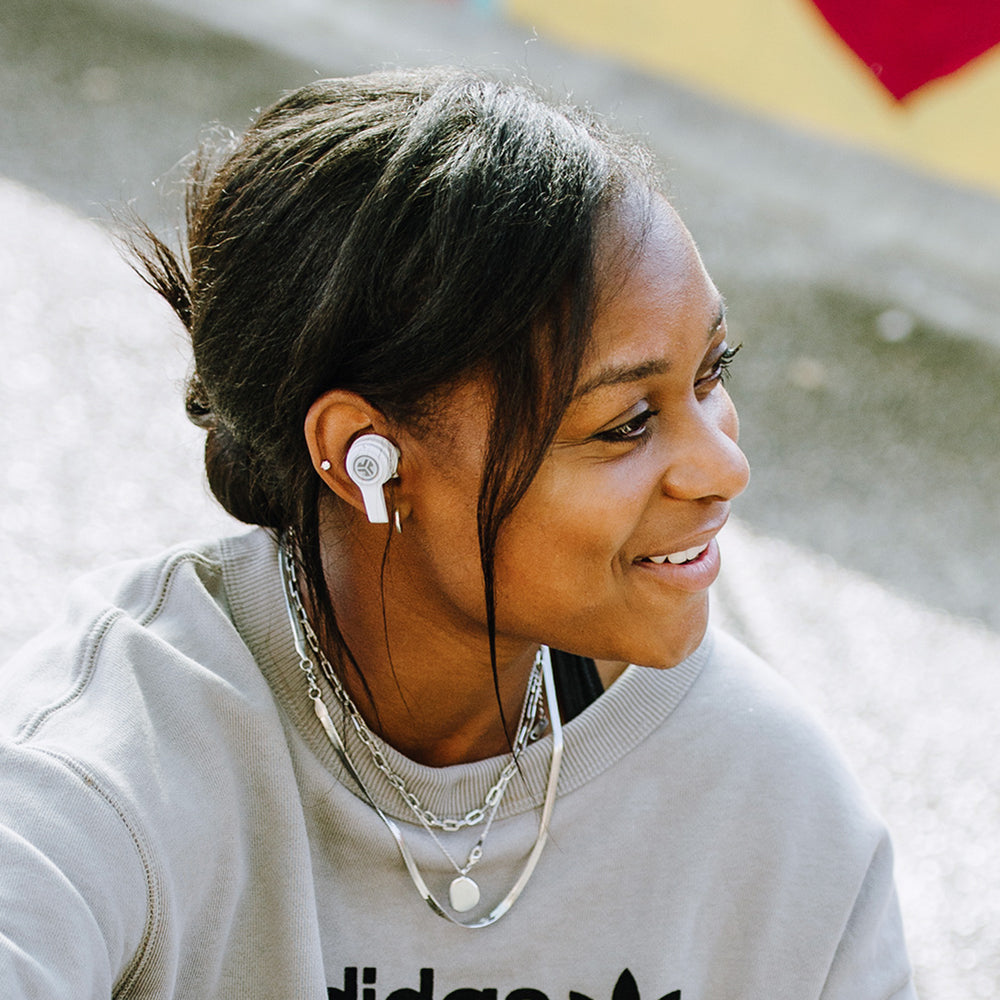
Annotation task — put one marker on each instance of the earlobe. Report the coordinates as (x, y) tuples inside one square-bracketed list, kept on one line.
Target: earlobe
[(354, 467)]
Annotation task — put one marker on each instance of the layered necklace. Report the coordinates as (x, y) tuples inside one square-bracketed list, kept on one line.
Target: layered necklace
[(463, 892)]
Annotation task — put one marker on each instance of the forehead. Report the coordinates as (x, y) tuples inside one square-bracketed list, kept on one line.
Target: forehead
[(655, 301), (653, 290)]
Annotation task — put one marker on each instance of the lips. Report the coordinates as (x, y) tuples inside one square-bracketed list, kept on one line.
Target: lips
[(692, 569)]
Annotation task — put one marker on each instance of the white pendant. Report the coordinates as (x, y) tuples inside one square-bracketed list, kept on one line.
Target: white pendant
[(463, 893)]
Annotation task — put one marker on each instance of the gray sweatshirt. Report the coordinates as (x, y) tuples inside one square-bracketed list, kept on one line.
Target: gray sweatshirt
[(174, 823)]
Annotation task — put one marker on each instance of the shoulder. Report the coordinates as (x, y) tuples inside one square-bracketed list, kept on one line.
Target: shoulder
[(127, 622), (135, 727), (145, 674), (746, 709), (760, 754), (741, 742), (802, 845)]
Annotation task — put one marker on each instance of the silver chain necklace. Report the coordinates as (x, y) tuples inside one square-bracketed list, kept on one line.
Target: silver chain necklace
[(531, 725), (463, 892)]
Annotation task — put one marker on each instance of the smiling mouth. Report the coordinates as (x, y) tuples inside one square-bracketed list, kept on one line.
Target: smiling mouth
[(677, 558)]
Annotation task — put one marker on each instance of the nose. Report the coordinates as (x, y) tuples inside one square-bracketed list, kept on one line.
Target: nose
[(704, 460)]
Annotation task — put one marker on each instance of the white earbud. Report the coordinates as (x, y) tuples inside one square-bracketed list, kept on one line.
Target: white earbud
[(371, 463)]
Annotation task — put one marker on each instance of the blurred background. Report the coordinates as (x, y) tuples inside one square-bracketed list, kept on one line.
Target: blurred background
[(839, 165)]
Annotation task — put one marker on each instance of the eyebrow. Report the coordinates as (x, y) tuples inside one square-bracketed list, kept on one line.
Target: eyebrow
[(622, 374)]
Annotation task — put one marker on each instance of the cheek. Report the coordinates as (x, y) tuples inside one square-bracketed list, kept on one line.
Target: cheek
[(450, 538), (438, 550), (574, 522)]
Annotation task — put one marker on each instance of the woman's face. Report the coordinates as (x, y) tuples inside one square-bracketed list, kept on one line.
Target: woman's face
[(612, 549)]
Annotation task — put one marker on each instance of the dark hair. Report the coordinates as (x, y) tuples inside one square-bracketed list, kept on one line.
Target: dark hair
[(389, 234)]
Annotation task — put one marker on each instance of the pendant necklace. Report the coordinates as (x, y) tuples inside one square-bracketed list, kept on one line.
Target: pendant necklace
[(464, 893)]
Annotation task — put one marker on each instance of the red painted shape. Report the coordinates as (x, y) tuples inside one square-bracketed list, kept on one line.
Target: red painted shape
[(907, 43)]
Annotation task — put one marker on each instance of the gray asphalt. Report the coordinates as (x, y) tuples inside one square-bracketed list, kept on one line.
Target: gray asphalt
[(865, 560)]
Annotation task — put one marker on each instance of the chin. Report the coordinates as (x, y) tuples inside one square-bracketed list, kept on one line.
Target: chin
[(665, 659), (659, 641), (674, 644)]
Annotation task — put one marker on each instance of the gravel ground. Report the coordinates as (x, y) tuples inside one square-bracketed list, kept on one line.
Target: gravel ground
[(864, 562)]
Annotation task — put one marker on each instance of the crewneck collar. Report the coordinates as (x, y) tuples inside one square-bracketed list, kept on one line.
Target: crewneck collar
[(638, 703)]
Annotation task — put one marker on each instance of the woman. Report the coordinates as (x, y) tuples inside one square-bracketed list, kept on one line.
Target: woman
[(462, 366)]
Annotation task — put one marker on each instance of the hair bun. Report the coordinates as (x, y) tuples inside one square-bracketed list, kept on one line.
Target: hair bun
[(236, 480), (233, 475)]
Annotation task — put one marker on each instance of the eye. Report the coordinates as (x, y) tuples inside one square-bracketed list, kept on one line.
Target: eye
[(635, 428), (720, 370)]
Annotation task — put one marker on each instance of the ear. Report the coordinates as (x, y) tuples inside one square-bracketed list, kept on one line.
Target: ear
[(331, 425)]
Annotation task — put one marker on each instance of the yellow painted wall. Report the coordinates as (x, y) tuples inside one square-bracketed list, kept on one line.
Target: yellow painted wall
[(782, 58)]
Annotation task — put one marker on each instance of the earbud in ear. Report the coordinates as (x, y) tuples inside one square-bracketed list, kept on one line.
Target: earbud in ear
[(371, 463)]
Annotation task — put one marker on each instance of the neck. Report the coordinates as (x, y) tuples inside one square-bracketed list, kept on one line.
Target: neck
[(428, 691), (437, 716)]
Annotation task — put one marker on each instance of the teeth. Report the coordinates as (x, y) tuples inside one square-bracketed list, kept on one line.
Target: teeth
[(676, 558)]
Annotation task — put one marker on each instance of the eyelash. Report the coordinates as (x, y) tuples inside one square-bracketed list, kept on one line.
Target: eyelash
[(721, 370), (634, 429)]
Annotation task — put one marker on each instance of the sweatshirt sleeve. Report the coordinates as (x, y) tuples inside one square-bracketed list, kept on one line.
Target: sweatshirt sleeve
[(75, 891), (871, 961)]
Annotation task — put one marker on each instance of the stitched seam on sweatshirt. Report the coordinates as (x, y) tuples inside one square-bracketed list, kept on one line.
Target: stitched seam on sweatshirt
[(97, 633), (92, 646), (88, 656), (166, 581), (135, 967)]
